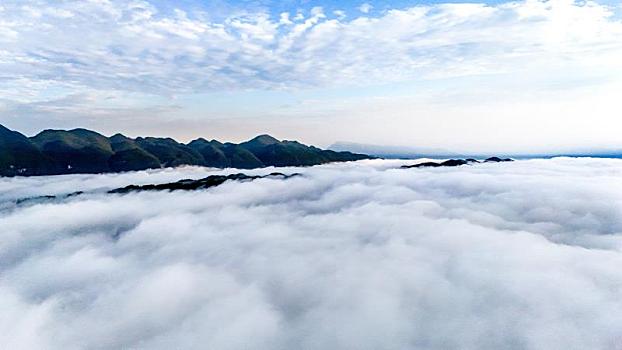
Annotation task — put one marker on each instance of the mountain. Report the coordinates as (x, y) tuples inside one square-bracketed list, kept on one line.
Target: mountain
[(456, 162), (398, 152), (54, 152), (170, 152), (18, 155), (212, 152), (191, 185), (128, 155), (272, 152), (78, 150), (241, 157)]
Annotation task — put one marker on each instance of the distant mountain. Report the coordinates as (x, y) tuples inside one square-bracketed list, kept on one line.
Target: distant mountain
[(456, 162), (191, 185), (54, 152), (400, 152), (393, 151)]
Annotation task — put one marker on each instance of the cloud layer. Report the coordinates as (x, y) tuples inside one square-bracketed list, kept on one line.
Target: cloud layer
[(104, 47), (349, 256), (449, 71)]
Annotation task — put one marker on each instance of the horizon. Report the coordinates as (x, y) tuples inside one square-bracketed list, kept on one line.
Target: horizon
[(514, 77)]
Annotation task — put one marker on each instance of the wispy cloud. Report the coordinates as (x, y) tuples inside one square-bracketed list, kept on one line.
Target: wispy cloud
[(365, 8), (140, 67), (134, 46)]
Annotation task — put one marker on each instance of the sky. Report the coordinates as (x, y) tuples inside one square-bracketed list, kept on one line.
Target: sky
[(524, 76), (523, 255)]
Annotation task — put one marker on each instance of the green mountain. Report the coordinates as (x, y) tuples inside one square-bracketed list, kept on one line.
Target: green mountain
[(212, 152), (240, 157), (77, 151), (128, 155), (272, 152), (19, 156), (170, 152), (83, 151)]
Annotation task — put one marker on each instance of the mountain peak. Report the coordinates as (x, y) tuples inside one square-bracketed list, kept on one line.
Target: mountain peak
[(263, 139), (199, 141), (118, 137)]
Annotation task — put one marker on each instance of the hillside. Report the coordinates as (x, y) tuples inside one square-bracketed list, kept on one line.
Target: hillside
[(53, 152)]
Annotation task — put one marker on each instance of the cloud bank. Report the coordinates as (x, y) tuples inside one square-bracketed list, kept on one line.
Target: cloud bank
[(348, 256)]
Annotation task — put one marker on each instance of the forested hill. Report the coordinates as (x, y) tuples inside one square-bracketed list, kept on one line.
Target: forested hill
[(53, 152)]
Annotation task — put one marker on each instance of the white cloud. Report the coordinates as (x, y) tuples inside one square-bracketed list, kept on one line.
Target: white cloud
[(447, 70), (349, 256), (365, 8), (285, 19), (340, 14), (136, 47)]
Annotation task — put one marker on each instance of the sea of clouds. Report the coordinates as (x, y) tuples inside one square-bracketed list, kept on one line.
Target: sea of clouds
[(364, 255)]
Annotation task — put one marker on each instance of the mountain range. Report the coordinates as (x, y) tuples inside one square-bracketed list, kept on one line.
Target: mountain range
[(53, 152)]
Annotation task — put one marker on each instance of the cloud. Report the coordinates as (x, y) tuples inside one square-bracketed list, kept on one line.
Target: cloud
[(340, 14), (365, 8), (349, 256), (76, 46), (448, 70)]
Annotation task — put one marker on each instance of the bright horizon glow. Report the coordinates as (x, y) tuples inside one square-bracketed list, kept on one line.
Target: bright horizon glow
[(526, 76)]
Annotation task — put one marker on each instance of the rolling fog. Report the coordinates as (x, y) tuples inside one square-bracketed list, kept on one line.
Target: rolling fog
[(363, 255)]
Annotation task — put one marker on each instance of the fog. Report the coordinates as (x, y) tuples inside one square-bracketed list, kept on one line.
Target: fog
[(363, 255)]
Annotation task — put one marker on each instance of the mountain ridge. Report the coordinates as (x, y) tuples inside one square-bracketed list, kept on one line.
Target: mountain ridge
[(57, 152)]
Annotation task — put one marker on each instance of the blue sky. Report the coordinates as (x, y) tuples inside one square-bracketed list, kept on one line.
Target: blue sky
[(222, 8), (293, 5), (544, 75)]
